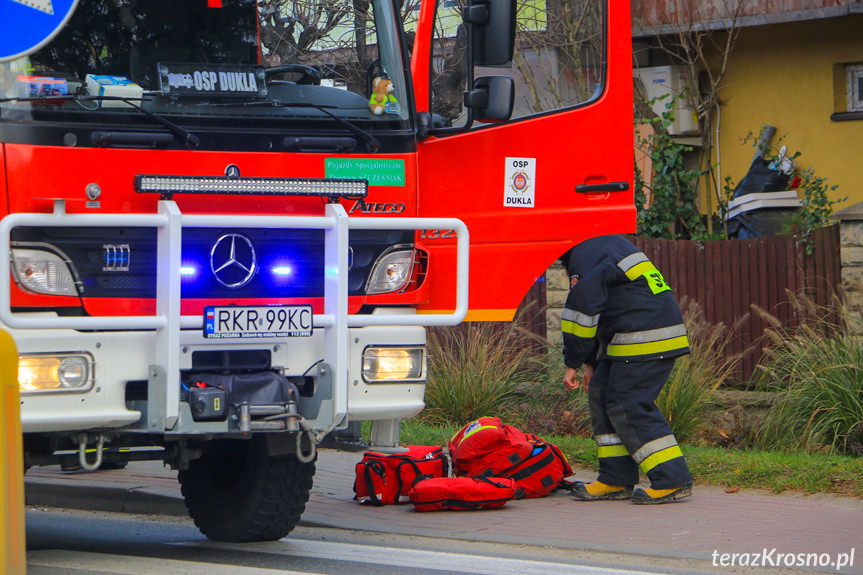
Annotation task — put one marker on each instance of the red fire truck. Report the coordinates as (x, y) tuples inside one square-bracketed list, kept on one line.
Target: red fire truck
[(230, 221)]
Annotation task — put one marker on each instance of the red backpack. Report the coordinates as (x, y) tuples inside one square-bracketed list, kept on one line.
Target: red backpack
[(387, 478), (541, 472), (488, 448)]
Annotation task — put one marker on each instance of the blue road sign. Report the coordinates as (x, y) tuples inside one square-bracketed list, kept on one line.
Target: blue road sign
[(27, 25)]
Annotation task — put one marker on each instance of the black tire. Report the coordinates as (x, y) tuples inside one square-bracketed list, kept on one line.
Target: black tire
[(238, 492)]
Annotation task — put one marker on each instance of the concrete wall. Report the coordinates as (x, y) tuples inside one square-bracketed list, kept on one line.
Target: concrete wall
[(556, 290), (851, 239)]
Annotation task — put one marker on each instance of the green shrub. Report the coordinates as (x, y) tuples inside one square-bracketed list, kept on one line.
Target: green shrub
[(481, 369), (816, 209), (475, 370), (689, 394), (673, 188), (548, 407), (817, 373)]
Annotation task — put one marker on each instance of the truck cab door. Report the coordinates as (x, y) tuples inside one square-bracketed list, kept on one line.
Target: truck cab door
[(557, 170)]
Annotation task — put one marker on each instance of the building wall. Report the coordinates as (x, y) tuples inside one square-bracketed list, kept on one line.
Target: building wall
[(783, 75)]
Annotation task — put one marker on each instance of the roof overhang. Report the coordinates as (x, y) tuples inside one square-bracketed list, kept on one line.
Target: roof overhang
[(644, 30)]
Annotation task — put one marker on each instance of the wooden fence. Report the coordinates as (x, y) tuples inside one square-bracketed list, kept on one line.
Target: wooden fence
[(726, 278)]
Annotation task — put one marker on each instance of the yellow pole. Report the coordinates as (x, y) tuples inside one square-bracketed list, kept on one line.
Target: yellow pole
[(12, 550)]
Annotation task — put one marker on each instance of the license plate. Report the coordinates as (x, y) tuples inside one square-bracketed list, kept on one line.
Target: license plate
[(258, 321)]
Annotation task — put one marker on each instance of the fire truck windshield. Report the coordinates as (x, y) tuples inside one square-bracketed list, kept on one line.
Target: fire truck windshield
[(216, 64)]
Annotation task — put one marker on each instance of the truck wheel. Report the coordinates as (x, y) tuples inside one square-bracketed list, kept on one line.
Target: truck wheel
[(237, 491)]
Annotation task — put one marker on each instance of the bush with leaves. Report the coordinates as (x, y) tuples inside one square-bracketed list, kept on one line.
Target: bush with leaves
[(672, 213), (815, 210)]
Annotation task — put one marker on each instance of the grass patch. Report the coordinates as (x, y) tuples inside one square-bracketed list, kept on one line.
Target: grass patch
[(729, 468), (816, 373), (777, 472)]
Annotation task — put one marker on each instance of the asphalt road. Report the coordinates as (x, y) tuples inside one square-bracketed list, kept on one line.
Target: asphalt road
[(64, 542), (691, 536)]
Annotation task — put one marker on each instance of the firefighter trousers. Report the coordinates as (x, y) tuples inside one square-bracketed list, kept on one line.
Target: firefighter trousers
[(629, 429)]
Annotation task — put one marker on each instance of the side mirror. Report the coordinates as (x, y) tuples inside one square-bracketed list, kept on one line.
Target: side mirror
[(491, 98), (493, 31)]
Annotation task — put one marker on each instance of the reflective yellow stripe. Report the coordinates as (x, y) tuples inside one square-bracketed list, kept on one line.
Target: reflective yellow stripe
[(654, 279), (654, 446), (660, 457), (480, 428), (639, 270), (611, 451), (649, 335), (577, 329), (649, 348)]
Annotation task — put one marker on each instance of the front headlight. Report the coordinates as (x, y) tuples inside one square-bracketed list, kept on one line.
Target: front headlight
[(393, 364), (44, 272), (61, 372), (391, 272)]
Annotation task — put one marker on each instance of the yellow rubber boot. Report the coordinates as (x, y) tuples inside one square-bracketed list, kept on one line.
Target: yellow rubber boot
[(642, 496), (599, 491)]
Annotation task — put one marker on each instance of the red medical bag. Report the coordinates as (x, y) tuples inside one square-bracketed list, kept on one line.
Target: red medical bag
[(462, 493), (387, 478)]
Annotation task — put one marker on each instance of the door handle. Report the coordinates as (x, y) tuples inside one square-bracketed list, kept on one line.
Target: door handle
[(606, 187)]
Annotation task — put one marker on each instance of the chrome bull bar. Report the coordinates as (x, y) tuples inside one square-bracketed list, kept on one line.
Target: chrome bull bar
[(168, 321)]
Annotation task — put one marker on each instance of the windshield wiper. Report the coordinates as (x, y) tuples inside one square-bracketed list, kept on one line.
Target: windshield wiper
[(373, 143), (188, 138)]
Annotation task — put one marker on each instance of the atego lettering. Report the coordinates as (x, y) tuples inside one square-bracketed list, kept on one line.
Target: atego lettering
[(377, 207)]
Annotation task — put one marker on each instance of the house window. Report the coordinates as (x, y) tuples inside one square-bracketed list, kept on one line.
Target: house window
[(847, 92), (854, 87)]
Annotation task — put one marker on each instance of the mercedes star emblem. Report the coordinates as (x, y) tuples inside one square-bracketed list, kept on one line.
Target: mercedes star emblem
[(233, 260), (232, 171)]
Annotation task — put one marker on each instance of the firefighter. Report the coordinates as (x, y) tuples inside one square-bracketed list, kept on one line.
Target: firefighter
[(622, 322)]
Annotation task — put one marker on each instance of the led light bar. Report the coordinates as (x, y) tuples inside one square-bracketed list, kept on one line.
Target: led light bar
[(331, 188)]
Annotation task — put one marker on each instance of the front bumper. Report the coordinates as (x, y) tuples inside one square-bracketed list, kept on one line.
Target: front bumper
[(124, 357)]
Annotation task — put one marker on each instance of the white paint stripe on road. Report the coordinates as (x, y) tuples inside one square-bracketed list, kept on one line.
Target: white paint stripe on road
[(131, 565), (419, 559)]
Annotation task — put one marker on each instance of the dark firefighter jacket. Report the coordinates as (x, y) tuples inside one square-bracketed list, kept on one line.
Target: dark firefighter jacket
[(619, 306)]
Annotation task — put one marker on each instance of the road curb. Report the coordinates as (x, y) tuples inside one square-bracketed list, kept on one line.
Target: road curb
[(103, 497)]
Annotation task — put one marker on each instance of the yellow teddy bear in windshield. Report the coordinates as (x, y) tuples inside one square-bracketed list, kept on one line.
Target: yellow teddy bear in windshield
[(382, 99)]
